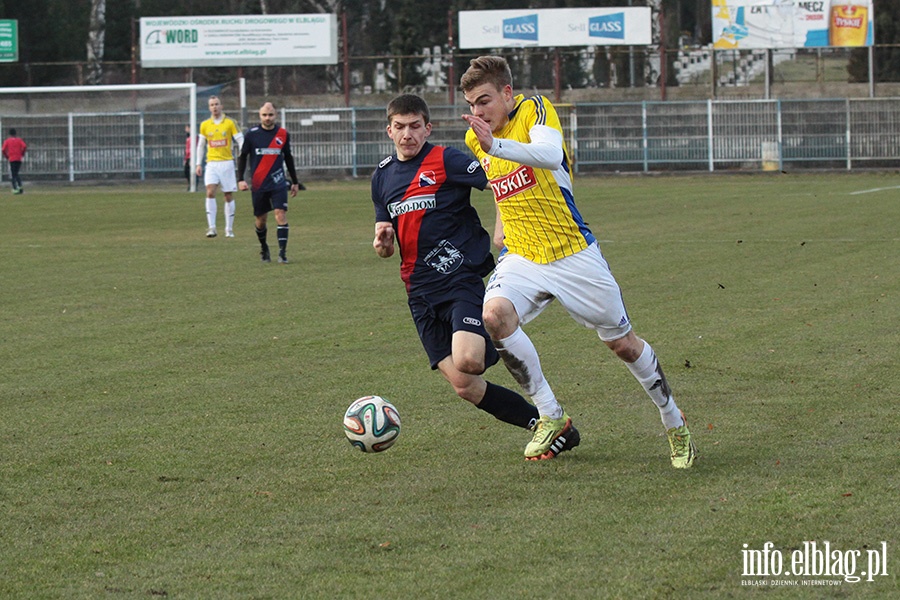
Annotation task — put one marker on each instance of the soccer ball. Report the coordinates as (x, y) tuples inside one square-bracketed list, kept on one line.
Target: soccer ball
[(372, 424)]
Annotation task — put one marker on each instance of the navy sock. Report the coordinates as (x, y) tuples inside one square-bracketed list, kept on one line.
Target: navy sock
[(261, 235), (508, 406), (283, 231)]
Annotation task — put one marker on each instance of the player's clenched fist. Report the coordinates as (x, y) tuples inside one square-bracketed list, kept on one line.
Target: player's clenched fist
[(384, 239)]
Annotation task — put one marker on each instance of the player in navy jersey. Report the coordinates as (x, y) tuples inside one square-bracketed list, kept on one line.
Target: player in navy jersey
[(422, 207), (268, 147)]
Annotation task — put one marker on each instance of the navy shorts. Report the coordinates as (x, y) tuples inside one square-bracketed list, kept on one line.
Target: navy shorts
[(267, 200), (437, 321)]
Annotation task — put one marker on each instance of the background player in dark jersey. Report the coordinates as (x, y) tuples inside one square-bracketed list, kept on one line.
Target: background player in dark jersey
[(269, 148), (422, 203)]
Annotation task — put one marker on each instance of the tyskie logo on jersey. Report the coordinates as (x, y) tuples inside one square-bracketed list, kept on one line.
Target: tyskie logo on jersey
[(521, 28), (407, 205), (607, 26), (518, 181)]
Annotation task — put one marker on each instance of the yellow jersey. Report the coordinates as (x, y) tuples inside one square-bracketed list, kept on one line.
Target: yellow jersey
[(540, 219), (219, 138)]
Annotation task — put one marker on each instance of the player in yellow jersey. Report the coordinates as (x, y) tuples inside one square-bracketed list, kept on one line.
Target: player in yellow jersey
[(549, 253), (222, 136)]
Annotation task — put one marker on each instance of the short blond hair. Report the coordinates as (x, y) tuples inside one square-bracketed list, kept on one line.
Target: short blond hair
[(486, 69)]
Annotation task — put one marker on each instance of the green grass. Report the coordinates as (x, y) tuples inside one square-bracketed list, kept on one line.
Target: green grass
[(832, 67), (172, 408)]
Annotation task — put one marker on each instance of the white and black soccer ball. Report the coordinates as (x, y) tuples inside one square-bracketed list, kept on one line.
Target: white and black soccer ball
[(372, 424)]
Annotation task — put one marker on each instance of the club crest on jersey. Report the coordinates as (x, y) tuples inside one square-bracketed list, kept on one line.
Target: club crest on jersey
[(486, 163), (415, 203), (427, 178), (444, 258), (518, 181)]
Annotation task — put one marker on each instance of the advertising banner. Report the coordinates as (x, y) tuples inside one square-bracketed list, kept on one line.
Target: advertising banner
[(242, 40), (9, 40), (780, 24), (554, 27)]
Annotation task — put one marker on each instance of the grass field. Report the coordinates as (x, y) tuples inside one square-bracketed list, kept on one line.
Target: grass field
[(172, 408)]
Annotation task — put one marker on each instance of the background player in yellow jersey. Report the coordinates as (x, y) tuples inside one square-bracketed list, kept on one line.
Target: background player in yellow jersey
[(550, 253), (222, 135)]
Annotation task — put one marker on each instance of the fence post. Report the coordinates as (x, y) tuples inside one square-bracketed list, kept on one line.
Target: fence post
[(644, 136), (355, 160), (709, 133), (847, 133), (573, 140), (780, 137), (71, 148), (143, 150)]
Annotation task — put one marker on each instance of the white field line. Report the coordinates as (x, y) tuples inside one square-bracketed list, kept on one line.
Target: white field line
[(894, 187)]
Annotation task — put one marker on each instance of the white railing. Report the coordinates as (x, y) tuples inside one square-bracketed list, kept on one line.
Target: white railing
[(603, 137)]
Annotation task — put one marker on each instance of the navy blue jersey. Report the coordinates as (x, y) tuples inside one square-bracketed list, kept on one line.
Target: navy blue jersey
[(268, 151), (437, 229)]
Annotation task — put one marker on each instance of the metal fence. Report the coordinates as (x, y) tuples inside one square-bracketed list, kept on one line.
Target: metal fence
[(707, 135), (88, 146)]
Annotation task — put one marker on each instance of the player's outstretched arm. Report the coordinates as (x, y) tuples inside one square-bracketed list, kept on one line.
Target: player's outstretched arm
[(384, 239), (499, 236), (296, 185), (241, 169), (201, 154)]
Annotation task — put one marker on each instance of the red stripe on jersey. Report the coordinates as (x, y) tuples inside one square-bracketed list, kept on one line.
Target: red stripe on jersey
[(430, 176), (265, 163)]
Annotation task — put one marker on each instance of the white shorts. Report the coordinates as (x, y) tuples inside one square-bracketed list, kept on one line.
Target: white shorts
[(582, 283), (221, 173)]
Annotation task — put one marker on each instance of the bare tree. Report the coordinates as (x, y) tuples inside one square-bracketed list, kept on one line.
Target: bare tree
[(652, 66), (264, 8), (95, 42)]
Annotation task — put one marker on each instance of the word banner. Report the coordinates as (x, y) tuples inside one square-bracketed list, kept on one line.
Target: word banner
[(243, 40)]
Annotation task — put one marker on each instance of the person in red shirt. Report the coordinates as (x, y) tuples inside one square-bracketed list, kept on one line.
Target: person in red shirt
[(14, 149)]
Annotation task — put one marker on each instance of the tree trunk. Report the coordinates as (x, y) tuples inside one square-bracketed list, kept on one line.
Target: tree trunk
[(264, 8), (95, 42), (652, 64)]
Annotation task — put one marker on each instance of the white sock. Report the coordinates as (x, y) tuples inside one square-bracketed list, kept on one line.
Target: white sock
[(229, 216), (211, 210), (647, 371), (522, 360)]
